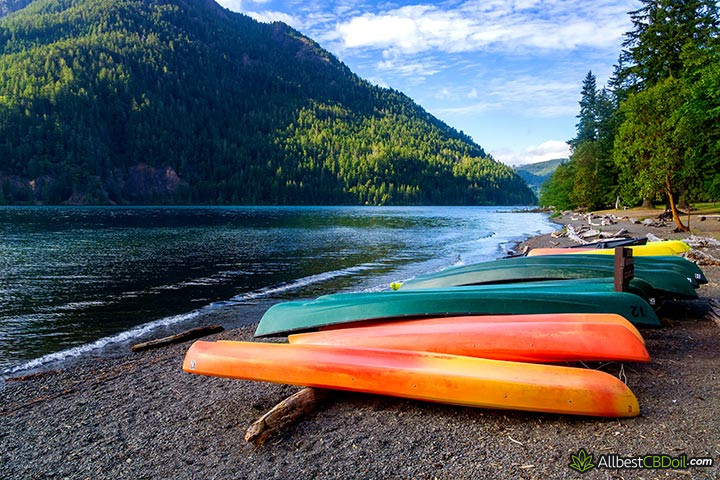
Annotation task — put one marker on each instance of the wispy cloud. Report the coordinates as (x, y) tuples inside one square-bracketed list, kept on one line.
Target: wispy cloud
[(535, 96), (549, 150)]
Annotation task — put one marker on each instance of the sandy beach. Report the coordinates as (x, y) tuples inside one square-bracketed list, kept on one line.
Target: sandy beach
[(140, 416)]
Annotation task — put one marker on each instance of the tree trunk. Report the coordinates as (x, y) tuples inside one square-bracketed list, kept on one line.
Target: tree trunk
[(647, 203), (673, 209)]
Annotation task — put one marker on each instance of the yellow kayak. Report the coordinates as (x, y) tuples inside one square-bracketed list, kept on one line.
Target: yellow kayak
[(668, 247)]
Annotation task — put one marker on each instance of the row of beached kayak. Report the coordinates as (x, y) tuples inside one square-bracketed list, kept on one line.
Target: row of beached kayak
[(484, 335)]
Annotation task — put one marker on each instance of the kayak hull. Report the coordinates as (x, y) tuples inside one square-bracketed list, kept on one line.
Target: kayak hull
[(666, 278), (344, 308), (638, 251), (668, 247), (424, 376), (537, 338)]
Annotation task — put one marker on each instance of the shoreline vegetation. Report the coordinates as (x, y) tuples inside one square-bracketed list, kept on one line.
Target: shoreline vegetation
[(650, 134), (140, 416)]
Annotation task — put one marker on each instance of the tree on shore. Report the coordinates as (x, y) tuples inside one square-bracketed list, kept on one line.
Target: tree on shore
[(648, 148)]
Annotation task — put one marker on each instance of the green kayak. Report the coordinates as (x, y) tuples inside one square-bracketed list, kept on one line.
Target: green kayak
[(291, 317), (577, 285), (673, 262), (665, 282)]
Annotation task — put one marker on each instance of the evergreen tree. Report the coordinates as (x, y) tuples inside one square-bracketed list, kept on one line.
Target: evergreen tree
[(662, 29), (587, 124)]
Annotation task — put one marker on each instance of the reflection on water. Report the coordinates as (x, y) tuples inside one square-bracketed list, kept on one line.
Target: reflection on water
[(72, 275)]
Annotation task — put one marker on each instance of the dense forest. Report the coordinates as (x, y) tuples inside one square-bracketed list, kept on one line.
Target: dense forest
[(653, 133), (182, 101)]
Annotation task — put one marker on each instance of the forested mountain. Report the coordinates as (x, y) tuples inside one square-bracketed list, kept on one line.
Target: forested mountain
[(653, 134), (535, 174), (182, 101)]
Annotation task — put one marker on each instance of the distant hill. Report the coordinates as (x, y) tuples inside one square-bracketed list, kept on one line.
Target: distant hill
[(535, 174), (183, 101)]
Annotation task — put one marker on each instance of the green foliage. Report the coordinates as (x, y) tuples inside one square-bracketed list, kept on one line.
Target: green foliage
[(699, 126), (648, 151), (181, 101), (588, 119), (662, 29), (556, 191)]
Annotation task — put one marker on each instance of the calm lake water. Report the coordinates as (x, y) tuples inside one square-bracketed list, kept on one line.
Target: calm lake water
[(74, 280)]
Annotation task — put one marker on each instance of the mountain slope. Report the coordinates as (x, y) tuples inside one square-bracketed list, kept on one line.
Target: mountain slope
[(182, 101), (535, 174)]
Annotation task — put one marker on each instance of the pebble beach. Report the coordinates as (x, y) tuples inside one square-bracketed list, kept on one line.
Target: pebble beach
[(140, 416)]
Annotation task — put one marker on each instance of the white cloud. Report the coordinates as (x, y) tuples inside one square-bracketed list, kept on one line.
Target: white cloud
[(408, 69), (481, 25), (549, 150)]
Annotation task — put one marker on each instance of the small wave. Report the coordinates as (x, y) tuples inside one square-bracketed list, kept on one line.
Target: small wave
[(101, 343), (76, 306), (299, 283), (166, 321)]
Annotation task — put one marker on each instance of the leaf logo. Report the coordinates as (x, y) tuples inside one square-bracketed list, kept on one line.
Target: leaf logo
[(582, 461)]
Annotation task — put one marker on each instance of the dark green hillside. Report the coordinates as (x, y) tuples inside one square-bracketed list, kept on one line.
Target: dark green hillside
[(535, 174), (181, 101)]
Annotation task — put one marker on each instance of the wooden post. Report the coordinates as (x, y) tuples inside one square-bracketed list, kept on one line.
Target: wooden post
[(624, 268)]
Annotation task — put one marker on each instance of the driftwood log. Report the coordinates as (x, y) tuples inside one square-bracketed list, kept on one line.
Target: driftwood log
[(285, 414), (178, 337)]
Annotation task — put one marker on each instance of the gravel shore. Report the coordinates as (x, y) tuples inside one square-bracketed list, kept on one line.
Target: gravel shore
[(139, 416)]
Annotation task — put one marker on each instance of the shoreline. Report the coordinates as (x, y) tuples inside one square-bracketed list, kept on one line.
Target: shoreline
[(139, 416)]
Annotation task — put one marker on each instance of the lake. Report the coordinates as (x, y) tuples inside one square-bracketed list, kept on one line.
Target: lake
[(77, 280)]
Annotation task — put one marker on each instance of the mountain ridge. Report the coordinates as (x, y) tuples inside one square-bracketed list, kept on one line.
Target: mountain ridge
[(174, 101), (535, 174)]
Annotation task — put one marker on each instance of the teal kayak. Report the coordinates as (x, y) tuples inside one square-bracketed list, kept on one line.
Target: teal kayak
[(665, 282), (580, 285), (673, 262), (343, 308)]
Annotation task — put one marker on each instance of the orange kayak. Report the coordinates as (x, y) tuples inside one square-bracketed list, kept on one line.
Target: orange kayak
[(601, 318), (542, 340), (426, 376)]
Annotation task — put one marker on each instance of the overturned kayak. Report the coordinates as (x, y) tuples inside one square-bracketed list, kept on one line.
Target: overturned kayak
[(583, 285), (669, 247), (638, 251), (612, 243), (521, 338), (343, 308), (667, 277), (425, 376)]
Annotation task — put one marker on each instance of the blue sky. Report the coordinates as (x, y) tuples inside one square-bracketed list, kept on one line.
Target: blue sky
[(506, 72)]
